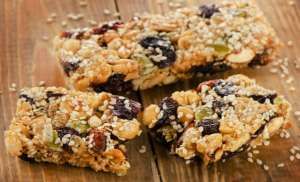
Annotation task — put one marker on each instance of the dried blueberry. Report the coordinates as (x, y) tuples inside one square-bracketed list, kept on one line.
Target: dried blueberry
[(218, 107), (70, 66), (125, 108), (99, 140), (223, 88), (162, 52), (209, 126), (104, 28), (114, 84), (207, 11), (262, 98), (27, 98)]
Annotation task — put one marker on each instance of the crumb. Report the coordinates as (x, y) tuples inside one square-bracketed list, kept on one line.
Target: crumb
[(250, 159), (92, 22), (187, 162), (259, 162), (292, 88), (53, 15), (142, 149), (83, 3), (256, 151), (290, 43), (42, 83), (45, 38), (64, 24), (106, 12), (298, 156), (280, 165), (292, 158), (49, 20)]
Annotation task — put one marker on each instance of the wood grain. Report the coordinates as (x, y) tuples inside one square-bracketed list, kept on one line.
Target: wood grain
[(26, 59)]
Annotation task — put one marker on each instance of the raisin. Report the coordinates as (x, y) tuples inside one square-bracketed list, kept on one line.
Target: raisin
[(99, 140), (115, 84), (125, 108), (66, 130), (209, 83), (207, 11), (70, 67), (210, 68), (259, 60), (159, 46), (262, 98), (51, 94), (25, 157), (223, 88), (209, 126), (27, 99), (218, 107), (104, 28)]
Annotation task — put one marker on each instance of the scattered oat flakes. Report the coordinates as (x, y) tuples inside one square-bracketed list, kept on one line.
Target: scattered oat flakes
[(142, 149)]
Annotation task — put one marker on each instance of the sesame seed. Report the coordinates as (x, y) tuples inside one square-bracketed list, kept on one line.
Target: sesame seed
[(49, 20), (292, 151), (292, 158), (256, 151), (259, 162), (280, 165), (250, 154), (298, 156), (250, 159), (266, 167)]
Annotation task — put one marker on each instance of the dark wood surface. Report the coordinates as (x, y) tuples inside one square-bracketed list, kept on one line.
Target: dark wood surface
[(26, 59)]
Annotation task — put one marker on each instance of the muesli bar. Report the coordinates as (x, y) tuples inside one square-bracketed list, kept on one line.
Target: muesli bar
[(218, 119), (154, 49), (81, 129)]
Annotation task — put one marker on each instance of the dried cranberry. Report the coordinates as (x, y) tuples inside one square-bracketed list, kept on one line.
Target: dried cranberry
[(104, 28), (27, 98), (66, 34), (125, 108), (159, 46), (99, 140), (51, 94), (70, 67), (223, 88), (209, 126), (114, 84), (207, 11), (262, 98), (209, 83)]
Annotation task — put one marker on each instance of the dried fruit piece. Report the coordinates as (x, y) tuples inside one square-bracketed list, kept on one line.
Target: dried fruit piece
[(162, 52), (262, 98), (207, 11), (104, 28), (114, 84), (218, 107), (209, 126), (98, 140), (209, 83), (221, 49), (125, 108), (70, 66)]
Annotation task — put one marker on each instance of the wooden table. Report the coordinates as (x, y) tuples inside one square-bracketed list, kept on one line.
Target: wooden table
[(26, 59)]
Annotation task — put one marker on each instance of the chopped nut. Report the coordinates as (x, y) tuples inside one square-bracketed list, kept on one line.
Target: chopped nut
[(245, 56)]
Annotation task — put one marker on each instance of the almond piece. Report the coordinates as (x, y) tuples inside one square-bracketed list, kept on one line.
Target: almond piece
[(245, 56)]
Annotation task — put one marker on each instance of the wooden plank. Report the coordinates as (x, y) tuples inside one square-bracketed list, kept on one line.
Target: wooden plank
[(285, 19), (26, 60)]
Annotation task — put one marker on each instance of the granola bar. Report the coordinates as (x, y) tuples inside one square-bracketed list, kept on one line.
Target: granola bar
[(155, 49), (218, 119), (82, 129)]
